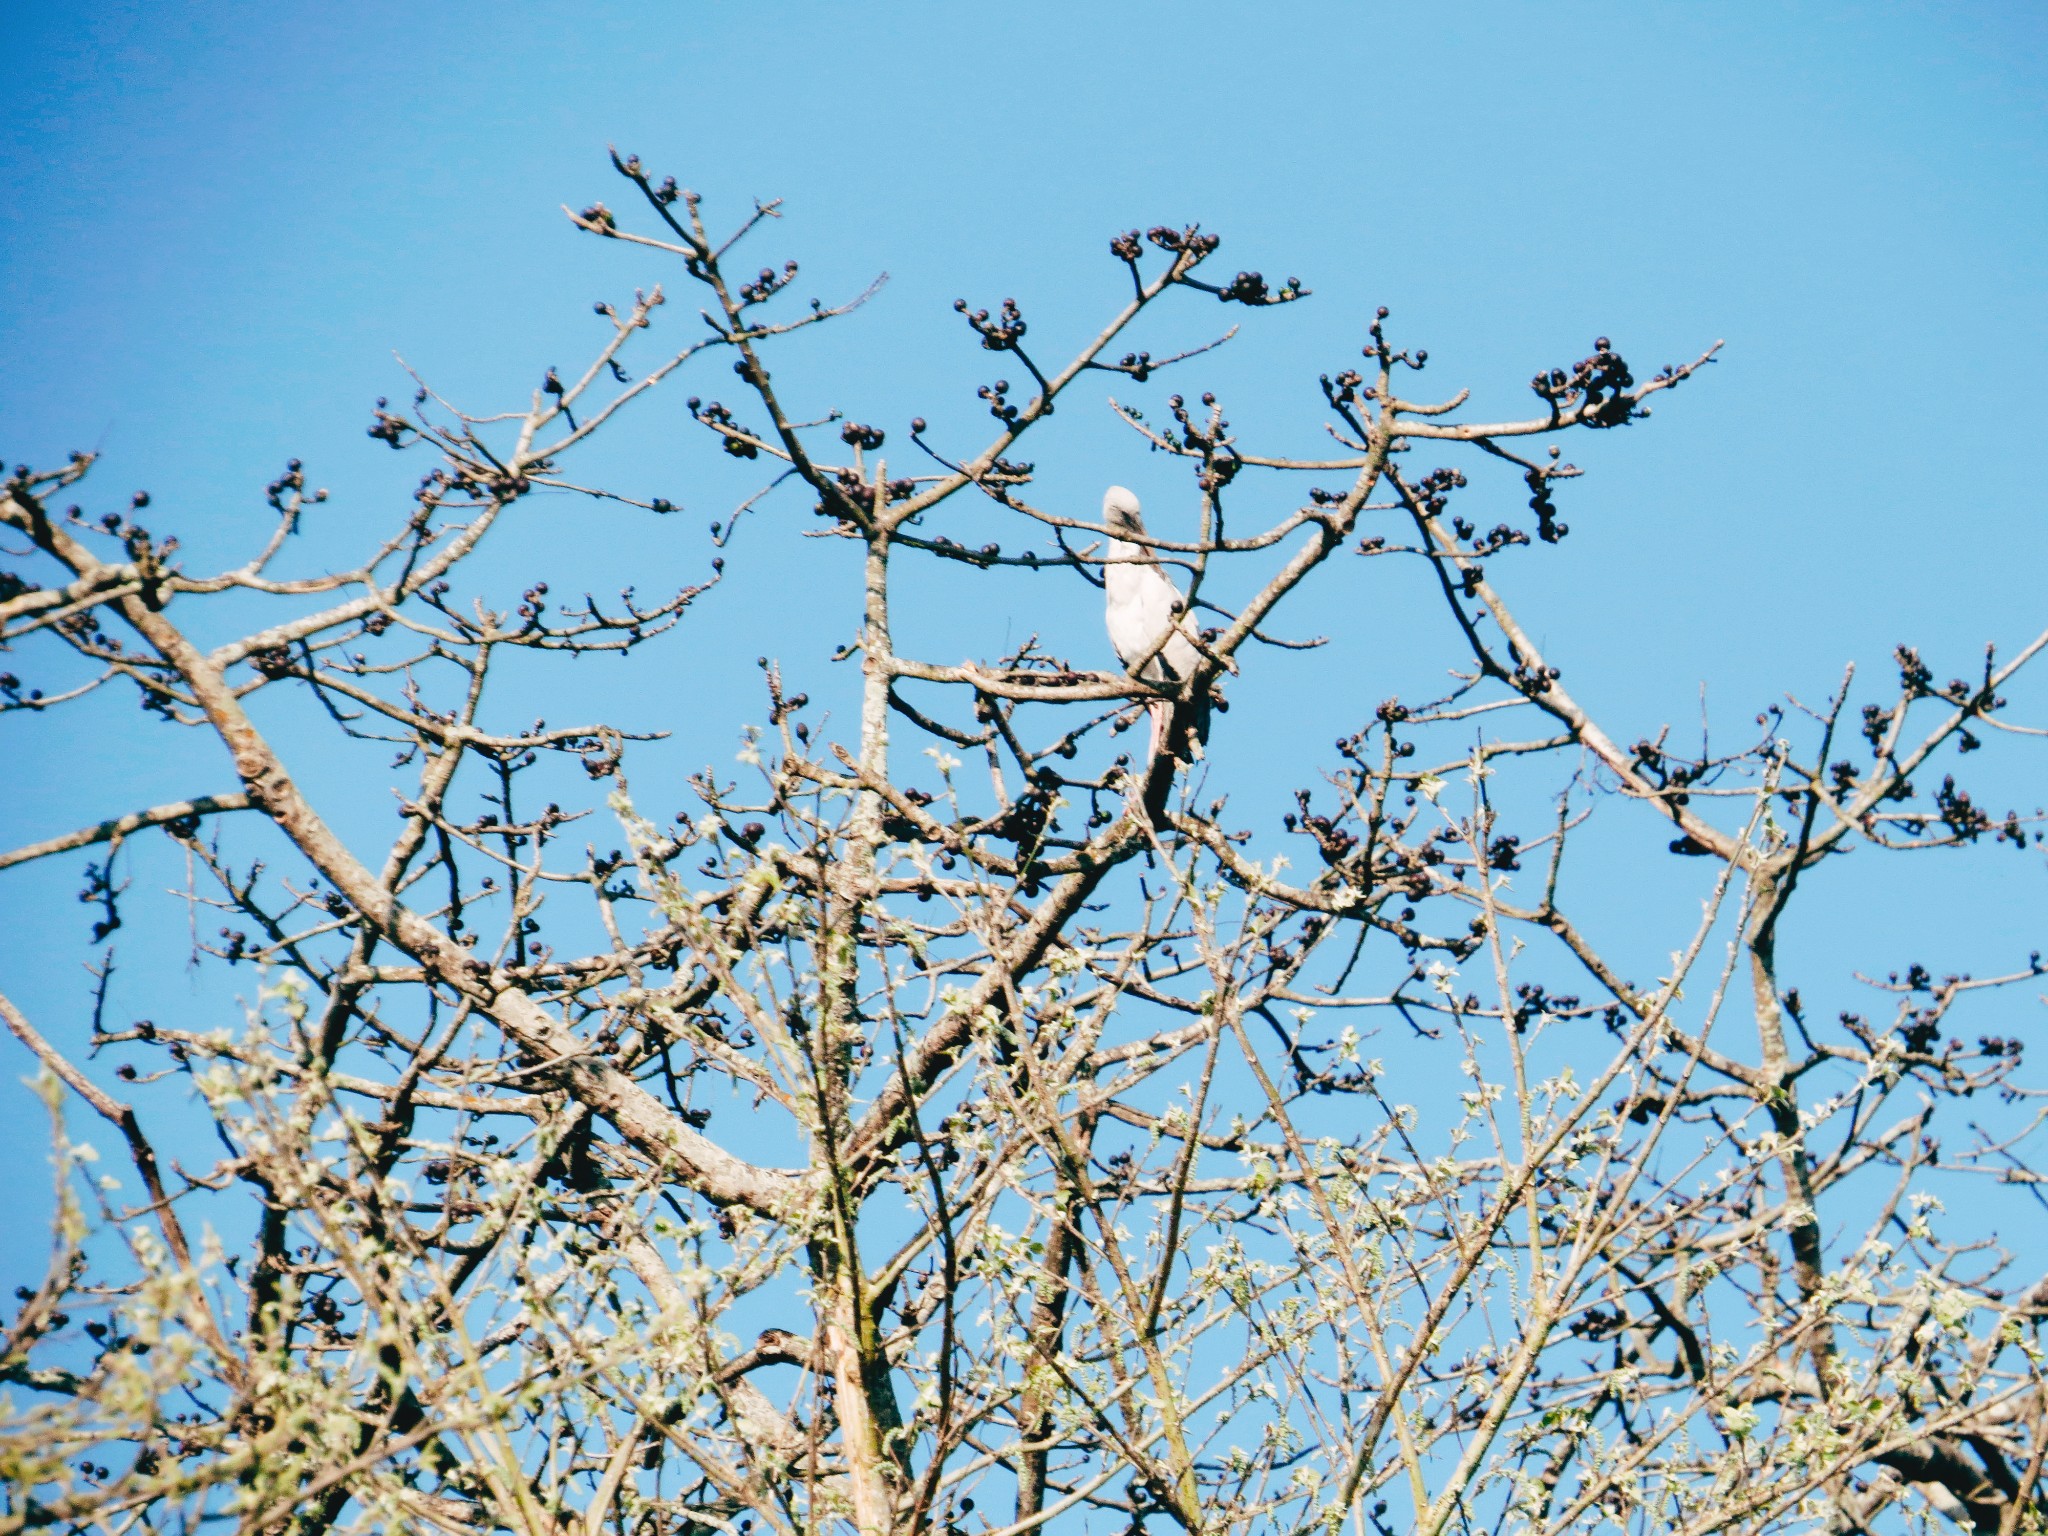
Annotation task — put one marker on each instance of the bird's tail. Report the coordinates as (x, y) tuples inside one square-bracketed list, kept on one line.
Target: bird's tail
[(1189, 732)]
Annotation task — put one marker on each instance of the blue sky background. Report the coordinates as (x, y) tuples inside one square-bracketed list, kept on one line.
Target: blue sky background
[(218, 222)]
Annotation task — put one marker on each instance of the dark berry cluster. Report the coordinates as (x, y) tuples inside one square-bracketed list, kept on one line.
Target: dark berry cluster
[(736, 440), (768, 283), (1597, 386), (998, 334)]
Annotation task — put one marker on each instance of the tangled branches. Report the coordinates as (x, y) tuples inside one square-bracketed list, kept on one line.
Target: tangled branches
[(880, 1145)]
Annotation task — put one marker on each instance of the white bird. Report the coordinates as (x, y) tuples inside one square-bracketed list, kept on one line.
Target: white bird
[(1143, 605)]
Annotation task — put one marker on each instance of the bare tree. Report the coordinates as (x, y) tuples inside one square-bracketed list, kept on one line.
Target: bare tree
[(949, 1124)]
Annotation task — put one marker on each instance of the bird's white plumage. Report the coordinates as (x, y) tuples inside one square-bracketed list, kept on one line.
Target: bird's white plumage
[(1143, 602), (1148, 626)]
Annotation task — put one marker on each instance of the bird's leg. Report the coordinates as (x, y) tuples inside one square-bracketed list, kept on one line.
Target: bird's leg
[(1162, 717)]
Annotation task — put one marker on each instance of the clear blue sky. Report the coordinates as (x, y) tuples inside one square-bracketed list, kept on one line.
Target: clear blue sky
[(220, 220)]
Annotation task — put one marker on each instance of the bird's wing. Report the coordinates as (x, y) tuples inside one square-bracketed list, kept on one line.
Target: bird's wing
[(1143, 604)]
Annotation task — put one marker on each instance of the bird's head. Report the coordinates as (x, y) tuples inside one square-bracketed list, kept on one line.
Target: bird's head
[(1120, 511)]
